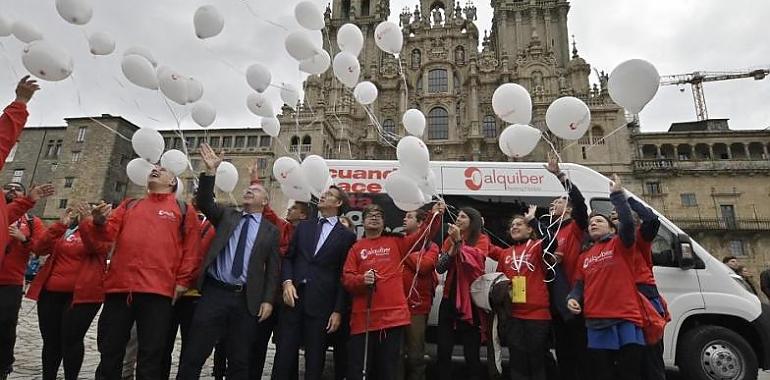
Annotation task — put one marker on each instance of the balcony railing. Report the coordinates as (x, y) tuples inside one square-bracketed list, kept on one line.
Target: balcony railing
[(722, 224), (701, 165), (301, 148)]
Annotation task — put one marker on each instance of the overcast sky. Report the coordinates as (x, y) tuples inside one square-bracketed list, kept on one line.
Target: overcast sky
[(677, 36)]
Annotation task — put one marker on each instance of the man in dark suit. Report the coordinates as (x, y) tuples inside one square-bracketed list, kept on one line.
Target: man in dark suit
[(239, 277), (311, 272)]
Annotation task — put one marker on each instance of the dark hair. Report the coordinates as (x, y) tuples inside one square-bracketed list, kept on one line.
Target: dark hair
[(420, 215), (368, 209), (474, 228), (728, 258), (604, 216), (343, 197), (350, 226), (303, 207)]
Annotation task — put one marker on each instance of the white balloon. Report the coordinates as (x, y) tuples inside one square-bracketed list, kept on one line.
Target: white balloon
[(226, 177), (148, 144), (271, 126), (300, 45), (76, 12), (388, 37), (179, 189), (290, 95), (139, 71), (317, 64), (258, 77), (295, 188), (512, 103), (414, 122), (101, 43), (633, 84), (173, 85), (519, 140), (309, 15), (365, 92), (403, 189), (316, 173), (413, 156), (350, 39), (203, 114), (47, 61), (25, 32), (141, 51), (138, 170), (6, 26), (346, 68), (175, 161), (260, 105), (428, 185), (194, 90), (208, 22), (409, 206), (568, 117), (284, 166)]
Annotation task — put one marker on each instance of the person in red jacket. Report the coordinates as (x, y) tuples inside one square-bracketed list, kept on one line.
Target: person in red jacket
[(25, 231), (11, 123), (527, 329), (153, 262), (464, 253), (373, 277), (420, 282), (68, 290), (605, 285)]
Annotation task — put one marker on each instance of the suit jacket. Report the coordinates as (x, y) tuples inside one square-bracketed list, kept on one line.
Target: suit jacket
[(318, 276), (263, 269)]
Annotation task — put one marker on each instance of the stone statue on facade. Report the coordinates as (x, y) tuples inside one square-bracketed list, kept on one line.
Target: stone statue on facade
[(438, 19)]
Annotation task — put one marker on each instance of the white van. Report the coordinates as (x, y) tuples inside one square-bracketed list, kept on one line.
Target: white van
[(719, 329)]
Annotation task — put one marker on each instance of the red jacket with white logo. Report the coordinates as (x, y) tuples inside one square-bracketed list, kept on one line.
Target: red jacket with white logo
[(11, 123), (151, 254), (17, 253), (75, 264), (420, 278), (610, 292), (384, 255), (526, 259)]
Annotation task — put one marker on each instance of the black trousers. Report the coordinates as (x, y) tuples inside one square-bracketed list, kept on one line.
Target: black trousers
[(63, 327), (653, 366), (221, 314), (449, 328), (339, 341), (181, 319), (527, 342), (572, 348), (623, 364), (300, 329), (261, 341), (383, 354), (10, 304), (151, 313)]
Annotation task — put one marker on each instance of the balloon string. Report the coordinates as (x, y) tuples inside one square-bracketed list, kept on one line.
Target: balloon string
[(263, 19), (403, 77), (181, 134), (223, 61), (599, 141), (112, 130)]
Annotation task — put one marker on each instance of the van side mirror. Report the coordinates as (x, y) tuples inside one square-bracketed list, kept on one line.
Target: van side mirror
[(683, 253)]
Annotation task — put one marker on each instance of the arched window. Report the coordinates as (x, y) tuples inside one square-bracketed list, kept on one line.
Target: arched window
[(389, 127), (416, 59), (489, 127), (437, 81), (294, 140), (438, 124)]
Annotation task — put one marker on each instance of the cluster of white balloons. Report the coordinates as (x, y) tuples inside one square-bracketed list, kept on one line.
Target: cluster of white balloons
[(306, 45), (301, 181), (414, 183)]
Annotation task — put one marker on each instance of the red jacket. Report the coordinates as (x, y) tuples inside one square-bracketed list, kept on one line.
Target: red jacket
[(151, 253), (570, 241), (422, 264), (75, 264), (481, 249), (11, 123), (610, 292), (17, 253), (384, 255), (285, 228), (643, 260), (528, 258)]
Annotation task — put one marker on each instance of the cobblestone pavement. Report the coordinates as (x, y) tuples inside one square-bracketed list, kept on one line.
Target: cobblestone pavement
[(29, 346)]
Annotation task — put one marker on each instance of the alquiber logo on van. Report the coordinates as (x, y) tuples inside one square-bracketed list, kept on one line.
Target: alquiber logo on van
[(476, 178)]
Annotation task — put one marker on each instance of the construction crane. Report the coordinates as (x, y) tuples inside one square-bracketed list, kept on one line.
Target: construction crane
[(696, 80)]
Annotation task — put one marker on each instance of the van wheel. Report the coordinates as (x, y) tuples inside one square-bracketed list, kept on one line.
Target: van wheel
[(716, 353)]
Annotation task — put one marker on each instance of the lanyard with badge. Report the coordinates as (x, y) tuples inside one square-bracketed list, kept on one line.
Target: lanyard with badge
[(519, 282)]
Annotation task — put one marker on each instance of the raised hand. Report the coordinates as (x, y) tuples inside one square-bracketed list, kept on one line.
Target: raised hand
[(25, 89), (254, 172), (83, 210), (210, 158), (101, 212), (42, 191), (66, 217), (530, 213), (553, 165), (16, 233), (615, 184)]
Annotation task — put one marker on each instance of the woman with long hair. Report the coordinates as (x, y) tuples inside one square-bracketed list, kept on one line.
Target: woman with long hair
[(464, 253), (68, 290)]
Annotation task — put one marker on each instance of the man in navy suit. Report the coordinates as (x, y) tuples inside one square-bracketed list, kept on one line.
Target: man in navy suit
[(312, 290)]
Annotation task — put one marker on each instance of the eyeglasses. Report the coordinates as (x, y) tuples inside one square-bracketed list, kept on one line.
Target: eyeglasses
[(373, 216)]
